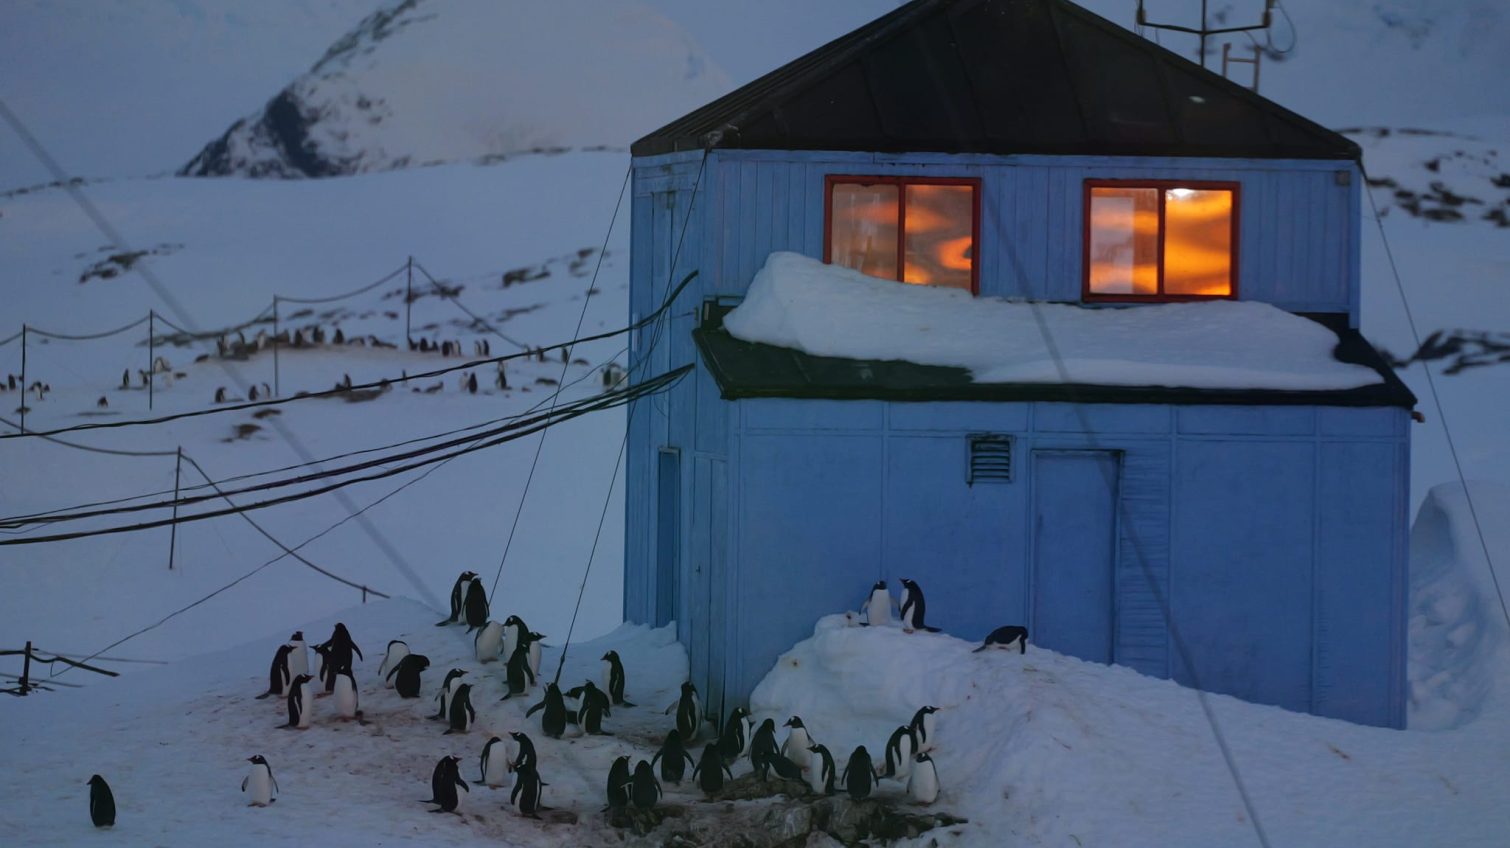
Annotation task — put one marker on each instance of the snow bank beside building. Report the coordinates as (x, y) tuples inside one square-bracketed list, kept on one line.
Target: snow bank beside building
[(827, 310)]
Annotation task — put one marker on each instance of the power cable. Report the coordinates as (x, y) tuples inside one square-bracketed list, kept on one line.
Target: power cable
[(333, 298), (445, 294), (88, 336), (111, 451)]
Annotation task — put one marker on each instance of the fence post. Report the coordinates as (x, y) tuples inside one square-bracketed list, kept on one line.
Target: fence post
[(173, 528), (364, 594), (151, 355), (23, 378), (409, 301), (26, 670), (277, 392)]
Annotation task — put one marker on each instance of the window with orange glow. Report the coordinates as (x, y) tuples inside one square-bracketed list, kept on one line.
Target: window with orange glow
[(911, 230), (1160, 241)]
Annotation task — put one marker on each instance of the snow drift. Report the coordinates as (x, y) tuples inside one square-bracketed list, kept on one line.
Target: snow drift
[(423, 82)]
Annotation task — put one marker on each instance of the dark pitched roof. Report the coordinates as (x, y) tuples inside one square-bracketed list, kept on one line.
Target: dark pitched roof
[(998, 76), (753, 370)]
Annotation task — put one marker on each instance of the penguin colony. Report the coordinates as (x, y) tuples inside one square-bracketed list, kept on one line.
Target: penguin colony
[(799, 759)]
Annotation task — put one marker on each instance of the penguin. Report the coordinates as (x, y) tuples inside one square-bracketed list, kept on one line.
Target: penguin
[(125, 380), (407, 672), (502, 380), (785, 768), (820, 778), (689, 712), (447, 688), (613, 679), (670, 756), (476, 605), (735, 739), (300, 702), (520, 677), (1005, 636), (298, 661), (923, 785), (763, 747), (278, 676), (346, 695), (327, 672), (101, 802), (339, 337), (899, 750), (877, 608), (337, 655), (220, 394), (102, 403), (251, 394), (593, 705), (514, 629), (259, 783), (859, 776), (618, 784), (795, 748), (535, 641), (444, 783), (462, 713), (553, 720), (528, 788), (913, 608), (922, 728), (525, 755), (396, 651), (493, 767), (644, 789), (458, 595), (472, 384), (709, 772), (489, 642)]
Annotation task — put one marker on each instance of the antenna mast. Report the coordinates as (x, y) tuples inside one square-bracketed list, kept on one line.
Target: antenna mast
[(1206, 31)]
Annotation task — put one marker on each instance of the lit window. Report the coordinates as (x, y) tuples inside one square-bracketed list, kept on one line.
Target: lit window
[(1160, 241), (912, 230)]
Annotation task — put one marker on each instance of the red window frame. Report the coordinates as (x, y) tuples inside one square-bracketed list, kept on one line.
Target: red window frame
[(1160, 297), (831, 180)]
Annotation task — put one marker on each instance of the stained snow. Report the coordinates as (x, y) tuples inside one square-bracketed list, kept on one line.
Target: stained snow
[(826, 310)]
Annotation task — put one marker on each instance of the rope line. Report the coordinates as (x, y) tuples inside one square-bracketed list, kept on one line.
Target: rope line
[(87, 336), (454, 300), (333, 298)]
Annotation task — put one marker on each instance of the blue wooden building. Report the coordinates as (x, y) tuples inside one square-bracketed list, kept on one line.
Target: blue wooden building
[(1015, 149)]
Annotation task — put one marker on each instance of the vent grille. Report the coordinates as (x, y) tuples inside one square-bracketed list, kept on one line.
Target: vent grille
[(990, 459)]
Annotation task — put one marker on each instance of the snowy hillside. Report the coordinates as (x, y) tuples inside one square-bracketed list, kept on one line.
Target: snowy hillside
[(427, 81)]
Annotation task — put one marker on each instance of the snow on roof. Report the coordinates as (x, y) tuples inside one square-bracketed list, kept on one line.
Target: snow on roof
[(826, 310)]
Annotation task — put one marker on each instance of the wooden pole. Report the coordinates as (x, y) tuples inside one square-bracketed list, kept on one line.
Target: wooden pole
[(23, 378), (276, 389), (151, 355), (26, 669), (173, 528), (409, 301)]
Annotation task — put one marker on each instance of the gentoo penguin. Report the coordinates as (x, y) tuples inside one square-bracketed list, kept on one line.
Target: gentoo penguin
[(592, 706), (553, 721), (327, 669), (458, 594), (735, 739), (899, 750), (298, 661), (528, 787), (259, 783), (525, 755), (922, 728), (447, 687), (822, 775), (519, 676), (709, 772), (447, 777), (101, 802), (461, 712), (301, 701), (785, 768), (489, 642), (346, 696), (859, 775), (877, 609), (644, 789), (763, 747), (923, 786), (396, 651), (671, 758), (618, 784), (795, 748), (914, 608), (535, 640), (405, 675), (689, 713), (514, 629), (476, 605), (340, 651), (613, 679), (494, 765), (1005, 636), (279, 675)]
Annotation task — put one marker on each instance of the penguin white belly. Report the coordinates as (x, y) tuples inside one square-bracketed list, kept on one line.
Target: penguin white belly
[(390, 662), (923, 786), (298, 660), (535, 658), (904, 764), (607, 680), (796, 747), (489, 642), (346, 696), (815, 780), (306, 704), (878, 609), (510, 639), (925, 740), (497, 771), (744, 746), (259, 786)]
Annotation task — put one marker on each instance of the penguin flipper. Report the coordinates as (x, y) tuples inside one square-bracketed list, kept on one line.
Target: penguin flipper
[(932, 629), (243, 783), (624, 703), (981, 648), (532, 710)]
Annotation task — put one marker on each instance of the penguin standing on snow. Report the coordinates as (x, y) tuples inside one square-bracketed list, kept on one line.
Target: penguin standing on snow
[(494, 764), (458, 597), (899, 751), (346, 696), (822, 775), (914, 608), (528, 789), (462, 713), (336, 655), (689, 712), (489, 642), (922, 728), (618, 784), (877, 609), (405, 675), (613, 679), (259, 783), (709, 772), (532, 642), (734, 741), (301, 698), (278, 676), (449, 778), (592, 706), (670, 756), (101, 802), (797, 743), (514, 629), (396, 651), (518, 674), (476, 605), (298, 659), (859, 776), (763, 747), (525, 755), (553, 720), (923, 786), (644, 789), (447, 687)]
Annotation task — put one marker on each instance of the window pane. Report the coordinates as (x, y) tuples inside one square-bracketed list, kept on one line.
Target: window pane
[(939, 223), (1197, 241), (1124, 250), (863, 229)]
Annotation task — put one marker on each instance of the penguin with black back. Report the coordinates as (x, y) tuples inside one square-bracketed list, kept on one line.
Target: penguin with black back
[(763, 747), (493, 765), (734, 741), (462, 713), (514, 631), (709, 772), (476, 605), (613, 679), (396, 651), (299, 705), (670, 757), (327, 670), (784, 768), (339, 656), (689, 712), (458, 596), (1005, 636), (553, 721), (877, 606), (278, 676), (444, 782), (520, 677), (923, 785), (405, 675), (532, 642), (795, 746), (922, 728), (526, 751), (298, 661), (618, 784), (644, 789), (101, 802), (860, 775), (528, 788), (899, 750), (447, 687), (593, 705), (914, 608), (259, 783), (821, 777)]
